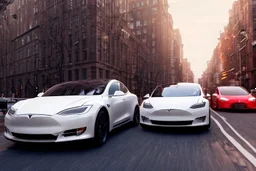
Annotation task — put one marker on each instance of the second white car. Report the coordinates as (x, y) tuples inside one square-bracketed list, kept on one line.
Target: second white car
[(181, 105)]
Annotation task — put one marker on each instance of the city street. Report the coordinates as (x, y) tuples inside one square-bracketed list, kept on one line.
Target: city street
[(132, 148)]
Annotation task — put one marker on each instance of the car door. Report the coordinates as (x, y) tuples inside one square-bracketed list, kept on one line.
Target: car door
[(128, 108), (116, 104)]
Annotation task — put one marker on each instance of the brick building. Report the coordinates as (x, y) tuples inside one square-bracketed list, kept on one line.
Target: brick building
[(152, 23), (54, 41), (237, 44), (177, 58)]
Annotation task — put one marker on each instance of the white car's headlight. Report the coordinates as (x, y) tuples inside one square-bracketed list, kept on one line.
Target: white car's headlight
[(12, 111), (224, 99), (252, 99), (147, 105), (198, 105), (75, 110)]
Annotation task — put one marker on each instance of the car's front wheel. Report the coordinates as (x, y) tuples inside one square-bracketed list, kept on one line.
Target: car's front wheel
[(136, 116), (101, 128)]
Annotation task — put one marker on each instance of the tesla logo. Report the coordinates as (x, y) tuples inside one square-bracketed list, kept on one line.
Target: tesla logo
[(169, 110), (29, 116)]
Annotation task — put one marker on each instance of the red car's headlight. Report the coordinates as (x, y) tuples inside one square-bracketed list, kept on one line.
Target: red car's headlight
[(252, 99), (224, 99)]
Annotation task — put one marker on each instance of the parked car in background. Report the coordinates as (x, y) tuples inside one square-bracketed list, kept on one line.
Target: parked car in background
[(232, 97)]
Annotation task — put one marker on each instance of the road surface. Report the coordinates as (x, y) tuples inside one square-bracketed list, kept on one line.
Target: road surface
[(133, 148)]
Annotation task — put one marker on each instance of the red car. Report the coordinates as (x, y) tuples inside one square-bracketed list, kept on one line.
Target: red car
[(232, 97)]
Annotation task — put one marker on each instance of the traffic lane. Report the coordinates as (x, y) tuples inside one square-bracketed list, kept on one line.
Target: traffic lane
[(132, 148), (243, 121)]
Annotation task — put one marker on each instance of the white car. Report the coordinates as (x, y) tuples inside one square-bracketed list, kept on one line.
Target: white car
[(73, 111), (181, 105)]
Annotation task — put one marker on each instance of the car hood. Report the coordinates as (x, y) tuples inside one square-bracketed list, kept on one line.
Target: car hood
[(173, 102), (50, 105)]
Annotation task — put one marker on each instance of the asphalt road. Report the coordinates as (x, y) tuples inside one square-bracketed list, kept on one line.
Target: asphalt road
[(132, 148)]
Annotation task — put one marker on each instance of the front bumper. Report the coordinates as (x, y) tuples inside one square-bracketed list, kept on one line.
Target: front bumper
[(175, 118), (237, 104), (43, 128)]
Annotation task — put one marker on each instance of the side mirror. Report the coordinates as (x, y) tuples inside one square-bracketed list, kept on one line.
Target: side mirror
[(40, 94), (214, 94), (207, 96), (118, 93), (146, 97)]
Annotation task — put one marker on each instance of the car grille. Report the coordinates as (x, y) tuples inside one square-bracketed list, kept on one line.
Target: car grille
[(35, 136), (238, 106), (171, 122)]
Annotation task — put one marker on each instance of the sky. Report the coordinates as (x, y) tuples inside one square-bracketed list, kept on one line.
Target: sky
[(200, 23)]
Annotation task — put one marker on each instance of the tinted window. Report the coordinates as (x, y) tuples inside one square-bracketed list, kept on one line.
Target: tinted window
[(123, 88), (77, 88), (233, 91), (113, 88), (177, 91)]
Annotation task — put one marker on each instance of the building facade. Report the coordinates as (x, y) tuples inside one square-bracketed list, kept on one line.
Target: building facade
[(48, 42), (237, 45), (153, 25)]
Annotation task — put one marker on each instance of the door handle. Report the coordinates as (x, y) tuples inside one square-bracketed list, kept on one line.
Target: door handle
[(123, 99)]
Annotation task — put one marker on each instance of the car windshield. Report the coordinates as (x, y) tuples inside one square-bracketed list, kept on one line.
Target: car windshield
[(177, 91), (77, 88), (233, 91)]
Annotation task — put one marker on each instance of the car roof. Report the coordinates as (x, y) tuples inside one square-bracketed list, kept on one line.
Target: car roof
[(229, 87), (181, 83)]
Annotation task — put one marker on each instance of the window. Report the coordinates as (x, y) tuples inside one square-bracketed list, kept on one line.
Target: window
[(145, 30), (123, 88), (101, 73), (69, 75), (153, 50), (77, 88), (107, 74), (84, 2), (145, 22), (138, 32), (137, 23), (113, 88), (93, 72), (77, 74), (177, 91), (154, 1), (84, 73), (153, 35), (85, 54), (233, 91), (138, 4)]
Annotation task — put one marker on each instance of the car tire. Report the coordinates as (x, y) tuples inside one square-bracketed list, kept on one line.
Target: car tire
[(136, 116), (101, 128)]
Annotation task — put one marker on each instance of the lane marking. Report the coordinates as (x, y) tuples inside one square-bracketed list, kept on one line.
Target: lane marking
[(248, 155), (239, 135)]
